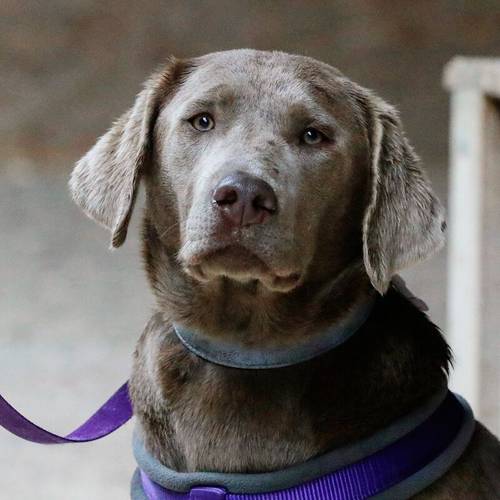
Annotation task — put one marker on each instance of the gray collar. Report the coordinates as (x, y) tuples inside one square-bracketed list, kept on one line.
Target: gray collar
[(235, 355)]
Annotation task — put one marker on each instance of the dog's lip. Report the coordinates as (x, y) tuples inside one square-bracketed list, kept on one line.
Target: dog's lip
[(280, 277), (200, 257)]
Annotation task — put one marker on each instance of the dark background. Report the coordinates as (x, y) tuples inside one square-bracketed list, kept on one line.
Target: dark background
[(70, 67)]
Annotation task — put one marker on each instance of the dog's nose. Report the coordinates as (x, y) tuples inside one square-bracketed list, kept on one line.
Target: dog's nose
[(244, 200)]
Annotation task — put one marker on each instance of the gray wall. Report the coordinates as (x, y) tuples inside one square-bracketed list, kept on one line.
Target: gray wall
[(68, 68)]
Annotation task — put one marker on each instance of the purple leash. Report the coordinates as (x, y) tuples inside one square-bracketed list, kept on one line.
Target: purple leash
[(115, 412)]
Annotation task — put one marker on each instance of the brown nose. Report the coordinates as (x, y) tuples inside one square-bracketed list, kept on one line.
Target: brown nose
[(244, 200)]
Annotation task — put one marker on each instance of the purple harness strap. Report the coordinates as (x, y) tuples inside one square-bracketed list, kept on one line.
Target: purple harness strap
[(362, 479), (116, 411), (365, 478)]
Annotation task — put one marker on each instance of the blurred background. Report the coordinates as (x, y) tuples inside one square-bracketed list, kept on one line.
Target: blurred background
[(71, 310)]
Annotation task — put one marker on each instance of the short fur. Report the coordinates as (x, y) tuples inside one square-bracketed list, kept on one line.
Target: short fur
[(353, 211)]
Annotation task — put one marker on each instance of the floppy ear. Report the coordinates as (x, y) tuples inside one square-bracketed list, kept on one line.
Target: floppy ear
[(404, 221), (104, 182)]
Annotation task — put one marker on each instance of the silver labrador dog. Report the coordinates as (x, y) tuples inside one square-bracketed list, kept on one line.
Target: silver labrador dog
[(280, 194)]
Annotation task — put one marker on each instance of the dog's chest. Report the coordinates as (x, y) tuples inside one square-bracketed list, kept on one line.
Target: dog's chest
[(199, 416), (227, 420)]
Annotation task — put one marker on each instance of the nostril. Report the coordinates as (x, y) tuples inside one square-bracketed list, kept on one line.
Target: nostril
[(225, 195), (265, 202)]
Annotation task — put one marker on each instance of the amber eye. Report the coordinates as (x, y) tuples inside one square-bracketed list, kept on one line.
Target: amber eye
[(312, 136), (202, 122)]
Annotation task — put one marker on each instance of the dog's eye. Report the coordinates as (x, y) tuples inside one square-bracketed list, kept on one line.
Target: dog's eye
[(312, 136), (202, 122)]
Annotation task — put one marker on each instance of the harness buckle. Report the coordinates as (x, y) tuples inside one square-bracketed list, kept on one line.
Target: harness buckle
[(207, 493)]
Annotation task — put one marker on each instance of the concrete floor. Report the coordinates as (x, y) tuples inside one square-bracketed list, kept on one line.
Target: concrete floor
[(70, 314)]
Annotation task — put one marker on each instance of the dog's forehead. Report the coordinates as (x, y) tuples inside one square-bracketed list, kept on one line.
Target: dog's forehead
[(244, 76), (270, 78)]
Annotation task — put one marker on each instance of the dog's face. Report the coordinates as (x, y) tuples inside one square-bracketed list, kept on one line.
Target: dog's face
[(264, 166), (257, 157)]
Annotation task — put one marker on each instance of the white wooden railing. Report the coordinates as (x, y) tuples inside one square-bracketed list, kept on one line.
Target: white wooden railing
[(473, 316)]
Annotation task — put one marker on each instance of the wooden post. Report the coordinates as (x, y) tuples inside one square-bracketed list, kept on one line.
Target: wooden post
[(473, 324)]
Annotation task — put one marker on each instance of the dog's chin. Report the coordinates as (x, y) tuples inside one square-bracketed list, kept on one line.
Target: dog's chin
[(240, 264)]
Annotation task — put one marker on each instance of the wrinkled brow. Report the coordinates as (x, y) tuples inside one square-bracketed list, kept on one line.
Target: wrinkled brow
[(337, 99), (309, 112), (222, 95), (324, 93)]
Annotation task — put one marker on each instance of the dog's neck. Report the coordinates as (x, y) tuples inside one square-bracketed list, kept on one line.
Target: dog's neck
[(224, 307)]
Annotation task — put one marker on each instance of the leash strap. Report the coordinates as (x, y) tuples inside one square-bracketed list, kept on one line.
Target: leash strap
[(115, 412)]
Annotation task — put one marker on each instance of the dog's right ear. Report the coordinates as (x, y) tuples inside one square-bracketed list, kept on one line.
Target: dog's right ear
[(104, 182)]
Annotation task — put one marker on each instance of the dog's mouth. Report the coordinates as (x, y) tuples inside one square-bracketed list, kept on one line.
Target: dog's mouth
[(238, 263)]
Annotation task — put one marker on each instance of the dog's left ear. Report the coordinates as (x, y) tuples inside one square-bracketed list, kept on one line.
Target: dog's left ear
[(404, 221), (104, 182)]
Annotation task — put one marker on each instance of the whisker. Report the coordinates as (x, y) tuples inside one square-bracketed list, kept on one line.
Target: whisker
[(170, 228)]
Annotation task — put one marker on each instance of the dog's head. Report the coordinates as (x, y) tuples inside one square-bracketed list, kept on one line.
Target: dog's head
[(264, 166)]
